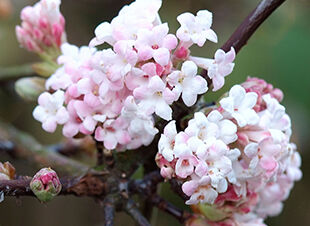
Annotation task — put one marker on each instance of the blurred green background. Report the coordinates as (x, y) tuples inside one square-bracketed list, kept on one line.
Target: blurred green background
[(278, 52)]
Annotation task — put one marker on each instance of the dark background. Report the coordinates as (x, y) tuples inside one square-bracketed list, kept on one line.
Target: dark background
[(278, 52)]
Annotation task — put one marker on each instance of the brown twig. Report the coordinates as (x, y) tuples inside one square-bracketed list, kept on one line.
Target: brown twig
[(247, 28), (169, 208), (99, 146), (147, 187), (176, 187), (21, 186)]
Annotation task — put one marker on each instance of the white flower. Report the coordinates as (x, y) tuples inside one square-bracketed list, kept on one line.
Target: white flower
[(75, 56), (275, 119), (51, 111), (199, 190), (141, 126), (138, 15), (196, 29), (188, 83), (59, 80), (219, 67), (212, 126), (167, 141), (239, 105)]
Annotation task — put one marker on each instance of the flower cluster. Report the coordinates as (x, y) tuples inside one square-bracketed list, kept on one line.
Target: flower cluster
[(114, 93), (43, 27), (236, 158)]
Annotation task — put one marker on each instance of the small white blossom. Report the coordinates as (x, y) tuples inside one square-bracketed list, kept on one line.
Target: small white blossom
[(188, 83), (196, 29), (239, 105), (51, 111)]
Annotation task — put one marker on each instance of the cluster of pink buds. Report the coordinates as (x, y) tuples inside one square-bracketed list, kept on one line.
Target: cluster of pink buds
[(235, 162), (43, 27), (115, 93)]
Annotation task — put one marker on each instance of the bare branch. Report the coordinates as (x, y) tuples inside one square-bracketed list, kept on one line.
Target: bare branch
[(109, 210), (18, 187), (92, 185), (169, 208), (147, 188), (135, 213), (21, 186)]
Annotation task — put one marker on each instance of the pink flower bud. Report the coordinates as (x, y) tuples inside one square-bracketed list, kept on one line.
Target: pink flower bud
[(182, 53), (42, 28), (45, 184)]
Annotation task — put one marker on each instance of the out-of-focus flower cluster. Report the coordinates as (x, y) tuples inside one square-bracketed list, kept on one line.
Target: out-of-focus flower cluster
[(114, 93), (235, 162), (43, 27)]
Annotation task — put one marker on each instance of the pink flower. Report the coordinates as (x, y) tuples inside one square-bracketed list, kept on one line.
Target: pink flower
[(261, 87), (156, 44), (185, 163), (263, 155), (75, 123), (200, 191), (112, 133)]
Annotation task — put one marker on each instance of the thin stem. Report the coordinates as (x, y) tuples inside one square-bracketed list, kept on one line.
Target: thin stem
[(25, 146), (99, 146), (169, 208), (247, 28), (135, 213), (15, 72)]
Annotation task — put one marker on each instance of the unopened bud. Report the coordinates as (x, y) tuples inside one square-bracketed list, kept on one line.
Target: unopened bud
[(7, 171), (45, 184), (30, 88)]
